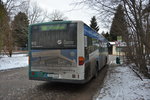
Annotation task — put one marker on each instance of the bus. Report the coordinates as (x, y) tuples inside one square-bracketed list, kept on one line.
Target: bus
[(65, 51)]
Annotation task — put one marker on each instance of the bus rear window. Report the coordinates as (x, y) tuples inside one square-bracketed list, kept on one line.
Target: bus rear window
[(54, 36)]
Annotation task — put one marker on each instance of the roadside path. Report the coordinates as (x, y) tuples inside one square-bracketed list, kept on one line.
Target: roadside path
[(121, 83)]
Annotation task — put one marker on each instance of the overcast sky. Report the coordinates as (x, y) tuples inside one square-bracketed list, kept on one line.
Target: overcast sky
[(68, 8)]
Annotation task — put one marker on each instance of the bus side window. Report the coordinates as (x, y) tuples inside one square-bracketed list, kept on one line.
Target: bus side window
[(87, 46)]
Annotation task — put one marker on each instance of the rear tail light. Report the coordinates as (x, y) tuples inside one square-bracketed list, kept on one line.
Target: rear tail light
[(81, 60), (33, 73)]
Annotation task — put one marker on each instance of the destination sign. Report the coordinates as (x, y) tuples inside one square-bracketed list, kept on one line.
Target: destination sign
[(53, 27)]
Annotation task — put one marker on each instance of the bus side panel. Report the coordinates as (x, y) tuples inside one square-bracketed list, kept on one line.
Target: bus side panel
[(95, 52), (93, 59), (90, 68), (91, 53), (80, 47), (87, 70)]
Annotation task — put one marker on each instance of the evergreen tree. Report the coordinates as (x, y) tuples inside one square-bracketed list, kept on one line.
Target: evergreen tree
[(20, 29), (94, 24), (119, 26), (107, 36)]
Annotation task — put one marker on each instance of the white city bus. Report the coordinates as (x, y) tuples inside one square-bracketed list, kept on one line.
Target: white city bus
[(65, 51)]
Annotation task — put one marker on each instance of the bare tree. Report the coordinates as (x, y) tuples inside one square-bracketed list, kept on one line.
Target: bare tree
[(57, 15), (105, 9), (8, 42), (137, 15), (5, 30), (13, 6), (139, 31), (35, 13), (32, 9)]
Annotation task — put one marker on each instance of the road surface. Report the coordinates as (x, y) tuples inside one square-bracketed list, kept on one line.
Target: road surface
[(15, 85)]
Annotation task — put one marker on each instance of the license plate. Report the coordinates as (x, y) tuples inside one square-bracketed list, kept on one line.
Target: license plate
[(53, 75)]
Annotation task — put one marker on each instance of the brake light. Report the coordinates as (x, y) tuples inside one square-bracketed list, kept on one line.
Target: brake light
[(81, 60), (33, 73)]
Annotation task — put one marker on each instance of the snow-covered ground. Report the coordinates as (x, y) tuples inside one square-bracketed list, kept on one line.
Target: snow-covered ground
[(17, 60), (121, 83)]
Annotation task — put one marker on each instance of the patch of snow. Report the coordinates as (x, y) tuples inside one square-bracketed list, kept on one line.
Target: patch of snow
[(111, 59), (121, 83), (17, 60)]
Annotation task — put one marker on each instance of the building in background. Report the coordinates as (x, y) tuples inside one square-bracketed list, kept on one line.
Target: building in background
[(117, 48)]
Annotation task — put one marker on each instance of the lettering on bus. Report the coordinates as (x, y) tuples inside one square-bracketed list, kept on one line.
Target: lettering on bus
[(53, 27)]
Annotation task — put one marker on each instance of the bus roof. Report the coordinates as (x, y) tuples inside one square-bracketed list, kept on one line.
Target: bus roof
[(52, 22), (92, 33)]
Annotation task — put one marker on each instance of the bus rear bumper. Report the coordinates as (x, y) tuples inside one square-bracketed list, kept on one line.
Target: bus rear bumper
[(59, 80)]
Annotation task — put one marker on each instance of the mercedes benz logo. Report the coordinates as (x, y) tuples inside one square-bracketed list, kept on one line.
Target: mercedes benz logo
[(59, 42)]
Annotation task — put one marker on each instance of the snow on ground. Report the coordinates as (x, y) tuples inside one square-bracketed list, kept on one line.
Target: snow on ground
[(17, 60), (121, 83)]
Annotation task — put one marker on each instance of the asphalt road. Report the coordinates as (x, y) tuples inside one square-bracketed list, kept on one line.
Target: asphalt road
[(15, 85)]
